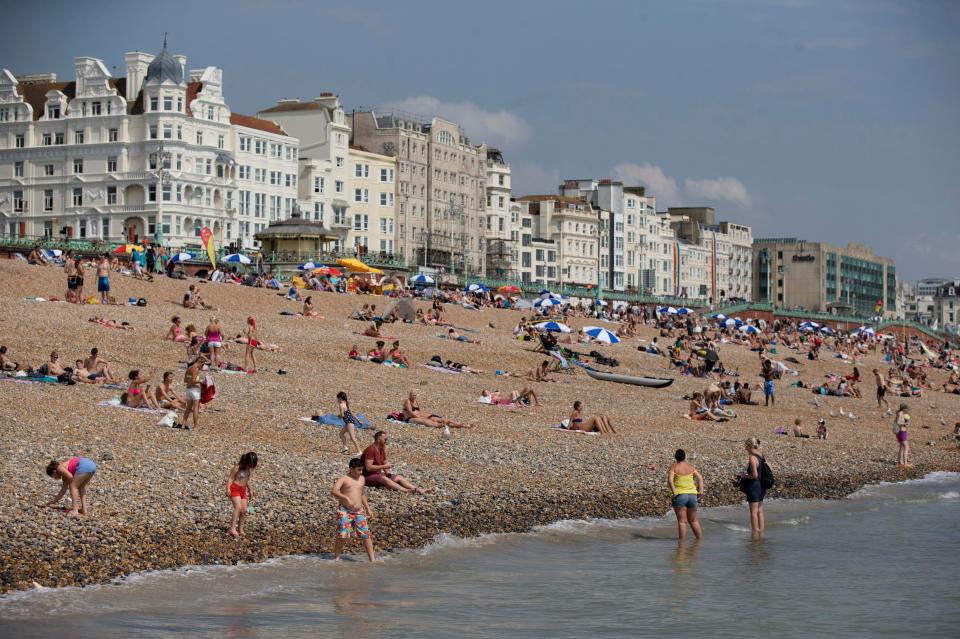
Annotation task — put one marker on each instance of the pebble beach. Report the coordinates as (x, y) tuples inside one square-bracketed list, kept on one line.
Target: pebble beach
[(158, 494)]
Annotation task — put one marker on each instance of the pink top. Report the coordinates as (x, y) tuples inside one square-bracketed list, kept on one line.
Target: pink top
[(72, 465)]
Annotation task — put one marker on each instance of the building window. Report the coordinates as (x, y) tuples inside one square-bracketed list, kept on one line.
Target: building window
[(199, 138), (113, 135), (78, 137), (153, 131), (105, 227), (180, 109), (53, 112), (47, 139), (361, 195), (220, 142), (339, 162), (244, 143), (78, 166), (167, 131), (153, 104), (48, 169), (338, 186), (78, 197), (18, 169), (57, 139), (168, 103), (360, 222), (112, 163), (318, 211), (111, 195), (151, 193)]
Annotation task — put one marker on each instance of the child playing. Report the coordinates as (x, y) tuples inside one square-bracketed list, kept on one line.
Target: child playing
[(349, 430), (240, 491), (252, 343), (821, 429), (353, 509)]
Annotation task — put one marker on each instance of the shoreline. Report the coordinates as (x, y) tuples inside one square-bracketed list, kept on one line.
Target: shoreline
[(410, 526)]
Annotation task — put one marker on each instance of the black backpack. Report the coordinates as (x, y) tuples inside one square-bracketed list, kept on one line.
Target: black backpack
[(767, 479)]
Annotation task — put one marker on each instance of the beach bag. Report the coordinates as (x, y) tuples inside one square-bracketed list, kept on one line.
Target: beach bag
[(767, 479), (208, 390)]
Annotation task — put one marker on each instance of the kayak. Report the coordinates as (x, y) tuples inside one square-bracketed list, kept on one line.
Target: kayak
[(650, 382)]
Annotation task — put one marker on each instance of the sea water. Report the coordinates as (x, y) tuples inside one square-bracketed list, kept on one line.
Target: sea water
[(883, 562)]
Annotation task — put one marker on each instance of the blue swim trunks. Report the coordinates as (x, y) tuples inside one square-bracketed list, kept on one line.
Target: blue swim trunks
[(768, 387), (103, 284)]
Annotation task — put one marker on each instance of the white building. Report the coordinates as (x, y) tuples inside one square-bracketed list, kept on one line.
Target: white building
[(372, 202), (636, 241), (500, 232), (562, 234), (715, 260), (151, 155), (325, 171)]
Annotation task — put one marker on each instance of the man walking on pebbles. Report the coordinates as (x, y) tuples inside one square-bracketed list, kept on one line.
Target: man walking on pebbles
[(103, 278), (353, 509)]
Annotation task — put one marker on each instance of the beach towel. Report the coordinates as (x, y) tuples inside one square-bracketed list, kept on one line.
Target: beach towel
[(509, 406), (562, 426), (441, 369), (46, 379), (115, 403)]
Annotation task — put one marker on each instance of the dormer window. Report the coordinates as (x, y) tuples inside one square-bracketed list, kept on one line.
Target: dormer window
[(180, 104), (53, 112)]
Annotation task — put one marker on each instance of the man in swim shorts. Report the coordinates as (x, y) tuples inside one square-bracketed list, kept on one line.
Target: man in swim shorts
[(103, 278), (352, 509)]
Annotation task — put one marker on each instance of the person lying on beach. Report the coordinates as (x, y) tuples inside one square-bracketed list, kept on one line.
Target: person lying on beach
[(597, 424), (240, 338), (526, 396), (7, 364), (308, 308), (165, 396), (540, 373), (175, 333), (377, 471), (192, 299), (75, 474), (413, 414), (373, 330), (452, 333), (111, 323), (138, 393), (353, 510), (653, 348), (83, 375)]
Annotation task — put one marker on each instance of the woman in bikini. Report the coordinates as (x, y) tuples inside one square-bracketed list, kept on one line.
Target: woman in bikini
[(240, 491), (74, 475), (252, 343), (214, 341), (138, 392), (596, 424), (192, 381), (413, 415), (165, 395), (697, 405), (308, 308), (175, 334), (395, 356)]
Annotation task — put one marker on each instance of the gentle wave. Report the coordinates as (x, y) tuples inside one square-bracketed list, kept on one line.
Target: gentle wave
[(938, 477)]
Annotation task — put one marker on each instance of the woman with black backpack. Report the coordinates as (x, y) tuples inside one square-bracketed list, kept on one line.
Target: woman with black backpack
[(754, 483)]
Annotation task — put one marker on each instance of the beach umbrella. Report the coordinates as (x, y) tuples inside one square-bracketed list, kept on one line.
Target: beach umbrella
[(749, 330), (684, 311), (730, 323), (600, 334), (510, 289), (328, 270), (422, 279), (711, 356), (237, 258), (556, 327), (719, 316), (826, 330), (476, 288), (546, 302), (181, 257), (309, 266), (51, 253), (810, 325), (545, 292), (125, 249)]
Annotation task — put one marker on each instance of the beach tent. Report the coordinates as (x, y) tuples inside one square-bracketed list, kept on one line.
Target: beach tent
[(405, 309)]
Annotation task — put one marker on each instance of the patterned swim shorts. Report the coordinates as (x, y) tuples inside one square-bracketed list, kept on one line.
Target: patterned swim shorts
[(355, 522)]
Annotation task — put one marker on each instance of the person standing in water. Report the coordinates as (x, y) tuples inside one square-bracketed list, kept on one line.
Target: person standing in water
[(353, 509), (686, 485), (752, 486)]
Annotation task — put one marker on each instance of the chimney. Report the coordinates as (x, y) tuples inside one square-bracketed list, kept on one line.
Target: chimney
[(182, 61), (137, 64)]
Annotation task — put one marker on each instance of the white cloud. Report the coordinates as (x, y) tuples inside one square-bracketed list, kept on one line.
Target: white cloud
[(724, 189), (499, 128), (663, 187), (668, 191)]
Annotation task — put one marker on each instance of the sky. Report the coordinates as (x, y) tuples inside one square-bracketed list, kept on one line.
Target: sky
[(829, 120)]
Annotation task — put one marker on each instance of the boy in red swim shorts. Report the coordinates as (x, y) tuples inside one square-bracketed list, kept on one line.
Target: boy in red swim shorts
[(353, 510)]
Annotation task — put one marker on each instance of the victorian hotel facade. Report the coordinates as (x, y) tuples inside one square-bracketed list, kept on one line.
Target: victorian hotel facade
[(156, 155)]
